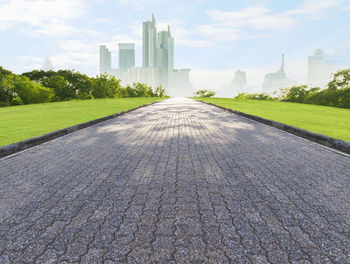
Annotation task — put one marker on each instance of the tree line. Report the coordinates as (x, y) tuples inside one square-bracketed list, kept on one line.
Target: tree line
[(337, 93), (51, 86)]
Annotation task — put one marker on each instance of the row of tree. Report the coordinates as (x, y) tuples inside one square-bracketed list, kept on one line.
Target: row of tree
[(337, 93), (49, 86)]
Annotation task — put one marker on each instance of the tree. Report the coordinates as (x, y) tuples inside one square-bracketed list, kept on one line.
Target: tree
[(105, 86), (80, 83), (7, 92), (341, 80), (60, 87), (74, 85), (30, 92), (295, 94), (204, 93)]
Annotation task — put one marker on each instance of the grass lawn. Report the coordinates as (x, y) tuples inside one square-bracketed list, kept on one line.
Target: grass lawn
[(331, 121), (18, 123)]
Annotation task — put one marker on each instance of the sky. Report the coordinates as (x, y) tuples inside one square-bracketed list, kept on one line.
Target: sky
[(213, 38)]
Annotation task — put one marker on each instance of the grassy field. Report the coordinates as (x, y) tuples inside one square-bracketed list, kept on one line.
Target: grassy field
[(330, 121), (18, 123)]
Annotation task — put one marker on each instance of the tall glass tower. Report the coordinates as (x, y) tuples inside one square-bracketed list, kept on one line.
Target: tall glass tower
[(149, 44), (126, 56), (105, 60)]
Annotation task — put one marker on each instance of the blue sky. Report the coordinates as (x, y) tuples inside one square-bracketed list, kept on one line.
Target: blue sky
[(213, 38)]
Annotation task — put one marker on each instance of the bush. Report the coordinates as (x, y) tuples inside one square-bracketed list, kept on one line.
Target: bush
[(16, 101), (337, 93), (261, 96), (204, 93)]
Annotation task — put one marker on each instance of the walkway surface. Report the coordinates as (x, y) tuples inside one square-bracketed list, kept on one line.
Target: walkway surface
[(176, 182)]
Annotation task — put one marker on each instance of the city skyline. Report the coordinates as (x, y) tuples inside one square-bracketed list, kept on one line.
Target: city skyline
[(157, 67), (213, 39)]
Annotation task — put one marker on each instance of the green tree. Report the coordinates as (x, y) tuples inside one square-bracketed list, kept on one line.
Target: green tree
[(80, 83), (295, 94), (30, 92), (341, 80), (7, 92), (60, 87), (105, 86)]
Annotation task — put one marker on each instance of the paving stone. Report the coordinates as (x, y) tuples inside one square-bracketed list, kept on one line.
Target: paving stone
[(176, 182)]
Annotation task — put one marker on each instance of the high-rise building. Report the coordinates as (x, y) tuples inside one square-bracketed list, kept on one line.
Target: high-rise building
[(239, 82), (165, 57), (275, 81), (105, 60), (316, 69), (157, 65), (321, 67), (149, 44), (170, 51), (126, 56), (179, 83)]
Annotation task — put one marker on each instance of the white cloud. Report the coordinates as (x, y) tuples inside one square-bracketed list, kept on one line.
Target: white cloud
[(315, 8), (255, 22), (48, 17), (259, 18), (218, 33), (38, 12), (29, 62), (140, 4)]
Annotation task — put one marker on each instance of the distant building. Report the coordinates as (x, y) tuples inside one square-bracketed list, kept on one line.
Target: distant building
[(321, 67), (148, 76), (179, 82), (126, 56), (105, 60), (170, 51), (239, 82), (47, 65), (165, 55), (157, 62), (275, 81), (149, 44), (317, 76)]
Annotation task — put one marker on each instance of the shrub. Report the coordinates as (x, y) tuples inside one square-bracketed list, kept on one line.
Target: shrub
[(261, 96), (204, 93), (16, 101)]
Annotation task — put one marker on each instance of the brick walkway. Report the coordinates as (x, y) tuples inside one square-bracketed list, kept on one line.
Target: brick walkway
[(181, 182)]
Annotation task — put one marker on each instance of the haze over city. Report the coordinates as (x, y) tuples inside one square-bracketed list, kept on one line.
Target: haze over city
[(213, 39)]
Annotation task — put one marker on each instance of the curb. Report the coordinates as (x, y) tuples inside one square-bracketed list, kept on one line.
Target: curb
[(337, 144), (31, 142)]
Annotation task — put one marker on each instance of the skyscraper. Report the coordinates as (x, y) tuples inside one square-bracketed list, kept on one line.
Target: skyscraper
[(170, 51), (275, 81), (105, 60), (239, 82), (157, 64), (316, 69), (149, 44), (126, 55)]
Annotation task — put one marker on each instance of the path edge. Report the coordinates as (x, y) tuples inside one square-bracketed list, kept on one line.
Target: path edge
[(330, 142), (35, 141)]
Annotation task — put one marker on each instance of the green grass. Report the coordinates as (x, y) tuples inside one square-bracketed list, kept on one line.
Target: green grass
[(330, 121), (18, 123)]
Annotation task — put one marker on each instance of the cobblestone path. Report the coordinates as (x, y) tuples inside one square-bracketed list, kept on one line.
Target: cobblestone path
[(176, 182)]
